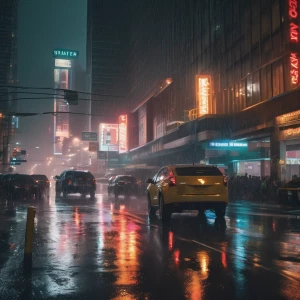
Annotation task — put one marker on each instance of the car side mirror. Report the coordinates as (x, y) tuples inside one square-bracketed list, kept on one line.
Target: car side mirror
[(149, 180), (56, 177)]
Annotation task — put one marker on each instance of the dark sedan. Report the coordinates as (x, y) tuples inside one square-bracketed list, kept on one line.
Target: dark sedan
[(124, 185), (22, 186)]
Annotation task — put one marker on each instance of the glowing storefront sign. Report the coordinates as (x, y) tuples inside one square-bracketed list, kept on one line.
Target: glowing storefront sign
[(203, 94), (291, 133), (294, 39), (63, 63), (123, 146), (228, 144), (292, 161), (292, 117), (64, 53), (109, 137)]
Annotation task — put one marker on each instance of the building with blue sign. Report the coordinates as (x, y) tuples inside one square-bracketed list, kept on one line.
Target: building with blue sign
[(229, 71)]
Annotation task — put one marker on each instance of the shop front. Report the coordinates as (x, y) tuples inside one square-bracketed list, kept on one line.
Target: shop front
[(239, 157), (288, 126)]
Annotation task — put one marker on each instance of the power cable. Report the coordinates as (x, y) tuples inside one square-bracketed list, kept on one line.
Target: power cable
[(58, 89)]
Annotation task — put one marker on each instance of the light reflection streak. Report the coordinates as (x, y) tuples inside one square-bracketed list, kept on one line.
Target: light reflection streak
[(60, 250), (194, 288), (126, 250), (171, 240), (176, 256), (223, 255)]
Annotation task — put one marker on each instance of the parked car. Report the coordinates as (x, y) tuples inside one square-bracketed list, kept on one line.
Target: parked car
[(75, 181), (123, 185), (187, 187), (43, 183), (22, 186)]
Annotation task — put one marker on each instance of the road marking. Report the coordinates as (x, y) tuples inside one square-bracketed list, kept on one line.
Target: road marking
[(248, 260)]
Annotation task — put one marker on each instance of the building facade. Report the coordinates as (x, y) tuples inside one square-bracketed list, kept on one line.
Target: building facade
[(107, 44), (8, 76), (207, 81), (201, 62)]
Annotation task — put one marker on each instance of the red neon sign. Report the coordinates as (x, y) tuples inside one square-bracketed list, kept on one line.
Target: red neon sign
[(294, 32), (294, 38), (294, 68), (293, 9), (123, 144)]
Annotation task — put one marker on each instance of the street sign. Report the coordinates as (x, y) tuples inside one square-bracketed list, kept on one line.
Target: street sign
[(64, 53), (15, 163), (17, 159), (89, 136), (110, 155), (93, 146), (102, 154)]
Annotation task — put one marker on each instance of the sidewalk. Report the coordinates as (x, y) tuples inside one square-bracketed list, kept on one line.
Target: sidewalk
[(271, 205)]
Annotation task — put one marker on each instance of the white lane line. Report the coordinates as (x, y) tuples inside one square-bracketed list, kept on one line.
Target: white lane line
[(248, 260)]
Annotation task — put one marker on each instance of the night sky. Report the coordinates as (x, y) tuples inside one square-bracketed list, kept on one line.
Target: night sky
[(42, 26)]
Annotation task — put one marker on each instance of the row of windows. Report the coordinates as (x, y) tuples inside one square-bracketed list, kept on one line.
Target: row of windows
[(258, 86)]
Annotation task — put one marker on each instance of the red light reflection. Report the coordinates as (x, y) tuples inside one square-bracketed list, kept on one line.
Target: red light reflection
[(176, 256), (224, 260), (171, 240), (77, 217)]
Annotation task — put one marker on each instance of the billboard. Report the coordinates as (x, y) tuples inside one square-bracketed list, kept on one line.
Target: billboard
[(108, 137), (61, 121), (123, 144), (63, 63)]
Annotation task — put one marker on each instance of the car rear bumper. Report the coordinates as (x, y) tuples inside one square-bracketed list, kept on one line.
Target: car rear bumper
[(174, 198), (80, 189), (197, 205)]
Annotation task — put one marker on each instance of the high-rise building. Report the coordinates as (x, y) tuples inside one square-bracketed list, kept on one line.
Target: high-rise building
[(209, 81), (199, 62), (8, 74), (107, 63)]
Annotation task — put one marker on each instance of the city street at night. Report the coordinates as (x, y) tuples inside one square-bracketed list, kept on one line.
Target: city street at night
[(108, 248)]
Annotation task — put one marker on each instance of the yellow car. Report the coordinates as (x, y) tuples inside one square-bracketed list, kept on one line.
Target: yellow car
[(187, 187)]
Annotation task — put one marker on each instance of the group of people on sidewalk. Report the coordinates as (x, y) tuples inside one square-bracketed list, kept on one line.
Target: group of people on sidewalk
[(254, 188)]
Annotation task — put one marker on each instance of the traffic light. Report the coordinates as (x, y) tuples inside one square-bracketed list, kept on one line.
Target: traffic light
[(15, 152), (71, 97)]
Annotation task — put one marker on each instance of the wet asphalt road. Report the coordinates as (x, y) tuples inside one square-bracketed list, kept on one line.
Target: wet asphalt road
[(107, 249)]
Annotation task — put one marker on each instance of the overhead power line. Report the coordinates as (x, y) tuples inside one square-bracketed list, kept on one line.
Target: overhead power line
[(54, 113), (57, 89)]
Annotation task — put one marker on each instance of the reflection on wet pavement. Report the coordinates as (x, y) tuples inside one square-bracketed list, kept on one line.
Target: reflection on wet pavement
[(85, 248)]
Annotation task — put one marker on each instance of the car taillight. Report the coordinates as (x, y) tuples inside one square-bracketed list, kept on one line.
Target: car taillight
[(225, 181), (172, 181), (47, 181), (94, 181)]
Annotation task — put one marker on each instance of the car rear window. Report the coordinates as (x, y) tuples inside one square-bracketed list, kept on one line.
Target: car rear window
[(127, 179), (83, 175), (198, 171), (40, 177), (24, 179)]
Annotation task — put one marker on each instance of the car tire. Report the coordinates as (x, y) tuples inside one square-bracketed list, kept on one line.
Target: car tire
[(164, 211), (151, 209), (220, 212)]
